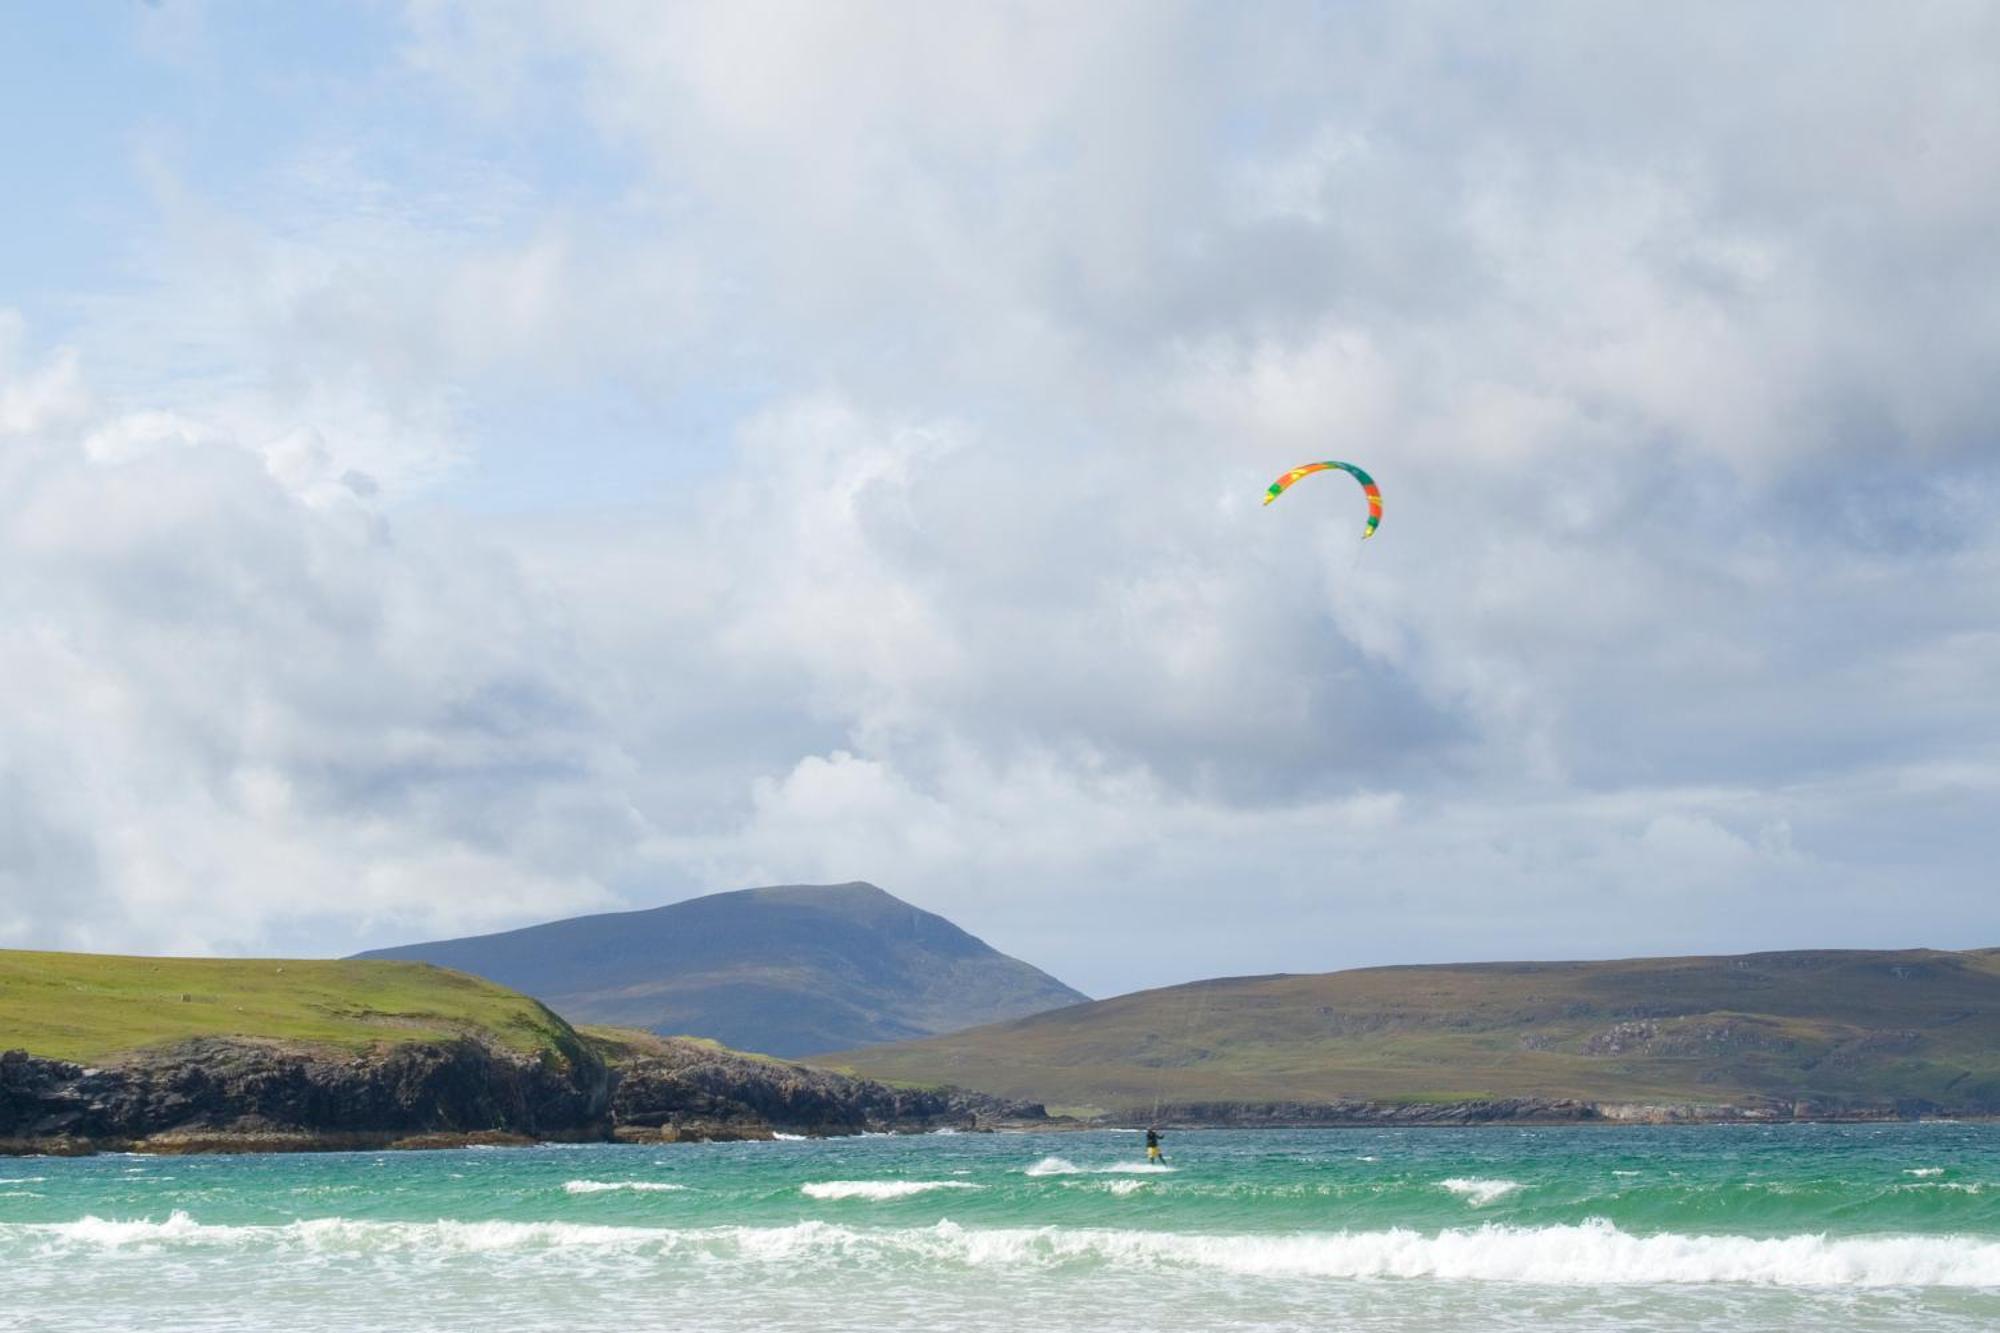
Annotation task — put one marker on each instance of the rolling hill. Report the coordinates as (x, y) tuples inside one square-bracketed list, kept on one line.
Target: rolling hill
[(787, 971), (1828, 1029)]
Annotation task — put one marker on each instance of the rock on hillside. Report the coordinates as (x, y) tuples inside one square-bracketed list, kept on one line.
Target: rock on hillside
[(789, 971)]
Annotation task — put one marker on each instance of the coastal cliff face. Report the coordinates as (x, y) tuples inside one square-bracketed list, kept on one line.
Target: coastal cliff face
[(231, 1095), (203, 1090), (681, 1086)]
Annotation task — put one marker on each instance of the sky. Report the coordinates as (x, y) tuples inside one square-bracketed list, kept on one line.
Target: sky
[(465, 465)]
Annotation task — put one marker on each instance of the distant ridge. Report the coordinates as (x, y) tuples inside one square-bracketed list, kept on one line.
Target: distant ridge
[(1806, 1033), (789, 970)]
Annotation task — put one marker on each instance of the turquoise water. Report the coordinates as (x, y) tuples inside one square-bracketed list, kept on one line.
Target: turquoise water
[(1783, 1227)]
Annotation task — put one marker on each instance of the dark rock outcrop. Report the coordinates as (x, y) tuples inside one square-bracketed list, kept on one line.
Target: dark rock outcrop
[(686, 1083), (221, 1095), (210, 1086)]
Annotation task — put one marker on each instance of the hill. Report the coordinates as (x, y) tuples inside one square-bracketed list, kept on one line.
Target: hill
[(94, 1007), (203, 1054), (788, 971), (1777, 1033)]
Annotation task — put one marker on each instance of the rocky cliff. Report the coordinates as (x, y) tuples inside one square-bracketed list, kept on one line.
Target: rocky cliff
[(208, 1090), (680, 1087), (215, 1094)]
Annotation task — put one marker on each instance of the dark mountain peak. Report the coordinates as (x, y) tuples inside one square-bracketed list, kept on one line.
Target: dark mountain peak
[(786, 969)]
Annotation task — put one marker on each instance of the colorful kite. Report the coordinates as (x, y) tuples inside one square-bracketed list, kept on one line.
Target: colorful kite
[(1368, 488)]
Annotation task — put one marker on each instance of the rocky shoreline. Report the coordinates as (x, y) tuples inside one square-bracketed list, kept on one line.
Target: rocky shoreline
[(226, 1095), (1526, 1111)]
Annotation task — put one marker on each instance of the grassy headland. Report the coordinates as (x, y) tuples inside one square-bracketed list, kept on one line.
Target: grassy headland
[(92, 1008), (1839, 1029)]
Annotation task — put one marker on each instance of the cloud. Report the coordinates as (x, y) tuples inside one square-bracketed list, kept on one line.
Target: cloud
[(241, 708), (921, 373)]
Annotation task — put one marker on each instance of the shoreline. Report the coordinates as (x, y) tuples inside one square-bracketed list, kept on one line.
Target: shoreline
[(227, 1142)]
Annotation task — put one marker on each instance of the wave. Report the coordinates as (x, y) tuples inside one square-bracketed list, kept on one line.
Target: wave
[(1925, 1171), (1062, 1166), (606, 1186), (1478, 1192), (879, 1189), (1591, 1254)]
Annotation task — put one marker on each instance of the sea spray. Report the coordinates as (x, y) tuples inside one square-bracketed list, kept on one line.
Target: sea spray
[(1479, 1193)]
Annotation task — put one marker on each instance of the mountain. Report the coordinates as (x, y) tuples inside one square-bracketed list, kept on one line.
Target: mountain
[(787, 971), (1801, 1033)]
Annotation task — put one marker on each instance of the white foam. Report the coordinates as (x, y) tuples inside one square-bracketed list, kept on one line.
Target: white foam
[(1594, 1253), (1124, 1187), (1062, 1166), (1925, 1171), (1479, 1192), (879, 1189), (789, 1138), (22, 1180), (606, 1186)]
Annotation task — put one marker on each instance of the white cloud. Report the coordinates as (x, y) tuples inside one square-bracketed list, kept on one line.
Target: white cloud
[(956, 347)]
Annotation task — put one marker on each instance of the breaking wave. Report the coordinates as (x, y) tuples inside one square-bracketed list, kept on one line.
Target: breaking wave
[(607, 1186), (1591, 1254), (1478, 1192), (879, 1189), (1062, 1166)]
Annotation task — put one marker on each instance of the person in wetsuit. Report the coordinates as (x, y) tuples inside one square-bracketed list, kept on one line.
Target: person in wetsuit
[(1153, 1146)]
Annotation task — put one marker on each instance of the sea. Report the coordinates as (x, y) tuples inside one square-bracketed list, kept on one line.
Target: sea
[(1853, 1227)]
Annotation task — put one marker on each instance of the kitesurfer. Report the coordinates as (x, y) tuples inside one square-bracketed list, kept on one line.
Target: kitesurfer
[(1153, 1146)]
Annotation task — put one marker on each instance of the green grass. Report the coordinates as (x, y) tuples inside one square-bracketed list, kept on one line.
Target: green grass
[(1849, 1027), (619, 1045), (93, 1007)]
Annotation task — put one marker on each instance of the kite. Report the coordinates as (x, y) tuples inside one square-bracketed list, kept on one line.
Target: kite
[(1368, 488)]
